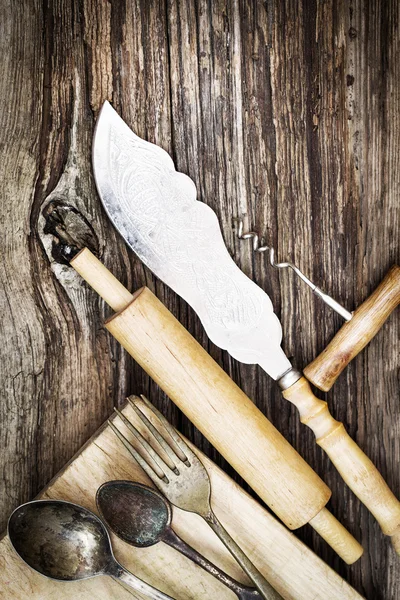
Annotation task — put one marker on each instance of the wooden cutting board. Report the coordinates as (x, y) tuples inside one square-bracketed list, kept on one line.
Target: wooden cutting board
[(296, 571)]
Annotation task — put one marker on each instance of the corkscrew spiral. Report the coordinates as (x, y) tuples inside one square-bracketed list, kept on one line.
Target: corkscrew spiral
[(270, 251)]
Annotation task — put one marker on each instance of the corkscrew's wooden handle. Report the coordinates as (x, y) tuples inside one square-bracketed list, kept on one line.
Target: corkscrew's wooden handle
[(354, 466), (356, 333)]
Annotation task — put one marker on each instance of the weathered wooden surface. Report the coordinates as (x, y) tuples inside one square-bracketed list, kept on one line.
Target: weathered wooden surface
[(287, 111)]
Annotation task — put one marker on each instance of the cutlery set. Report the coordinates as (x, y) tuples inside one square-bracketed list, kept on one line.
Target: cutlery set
[(178, 238), (156, 211), (217, 407), (185, 482), (67, 542)]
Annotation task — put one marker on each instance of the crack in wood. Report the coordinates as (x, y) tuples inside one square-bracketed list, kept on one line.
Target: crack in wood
[(71, 231)]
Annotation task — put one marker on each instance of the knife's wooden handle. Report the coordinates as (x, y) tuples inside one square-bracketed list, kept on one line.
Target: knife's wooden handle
[(356, 333), (218, 407), (355, 467)]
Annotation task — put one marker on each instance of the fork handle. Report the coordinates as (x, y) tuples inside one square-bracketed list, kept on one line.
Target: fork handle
[(265, 588)]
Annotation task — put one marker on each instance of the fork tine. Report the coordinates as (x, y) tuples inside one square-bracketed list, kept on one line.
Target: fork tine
[(160, 462), (148, 469), (183, 448), (173, 454)]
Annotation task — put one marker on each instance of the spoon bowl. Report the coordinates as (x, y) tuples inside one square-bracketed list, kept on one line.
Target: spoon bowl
[(141, 516), (66, 542), (136, 513), (60, 540)]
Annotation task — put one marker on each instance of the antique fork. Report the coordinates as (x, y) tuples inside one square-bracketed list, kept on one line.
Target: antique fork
[(184, 481)]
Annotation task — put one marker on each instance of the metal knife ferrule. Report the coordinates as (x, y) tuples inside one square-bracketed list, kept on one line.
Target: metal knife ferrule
[(289, 378)]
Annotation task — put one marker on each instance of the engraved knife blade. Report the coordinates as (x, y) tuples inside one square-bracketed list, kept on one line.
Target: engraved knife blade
[(178, 237)]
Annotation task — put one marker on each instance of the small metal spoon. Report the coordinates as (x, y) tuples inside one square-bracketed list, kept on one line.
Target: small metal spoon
[(141, 516), (67, 542)]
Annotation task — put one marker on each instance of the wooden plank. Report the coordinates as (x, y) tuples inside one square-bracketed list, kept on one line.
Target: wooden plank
[(288, 111), (21, 325), (295, 570)]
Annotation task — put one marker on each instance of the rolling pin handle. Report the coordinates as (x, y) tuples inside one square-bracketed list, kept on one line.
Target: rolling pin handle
[(101, 280), (337, 536)]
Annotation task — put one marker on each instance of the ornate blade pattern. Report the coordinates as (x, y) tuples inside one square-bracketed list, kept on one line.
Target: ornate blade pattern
[(155, 209)]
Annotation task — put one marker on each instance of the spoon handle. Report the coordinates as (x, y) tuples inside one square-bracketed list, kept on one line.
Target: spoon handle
[(243, 592), (122, 575), (263, 586)]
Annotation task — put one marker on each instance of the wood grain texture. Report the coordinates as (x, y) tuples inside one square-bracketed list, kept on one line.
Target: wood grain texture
[(287, 111)]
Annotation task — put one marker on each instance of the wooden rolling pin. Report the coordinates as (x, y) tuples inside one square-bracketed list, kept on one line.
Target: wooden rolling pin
[(217, 407), (356, 333)]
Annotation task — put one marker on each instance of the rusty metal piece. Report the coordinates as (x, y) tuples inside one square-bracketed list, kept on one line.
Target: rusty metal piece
[(183, 480), (141, 516), (66, 542)]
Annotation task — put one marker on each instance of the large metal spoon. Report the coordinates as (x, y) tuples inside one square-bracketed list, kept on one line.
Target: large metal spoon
[(141, 516), (66, 542)]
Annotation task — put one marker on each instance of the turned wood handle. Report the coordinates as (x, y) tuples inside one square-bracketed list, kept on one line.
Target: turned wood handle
[(101, 280), (217, 406), (356, 333), (355, 467)]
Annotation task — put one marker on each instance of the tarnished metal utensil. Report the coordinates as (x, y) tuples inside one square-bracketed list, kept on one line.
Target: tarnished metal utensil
[(141, 516), (183, 479), (67, 542)]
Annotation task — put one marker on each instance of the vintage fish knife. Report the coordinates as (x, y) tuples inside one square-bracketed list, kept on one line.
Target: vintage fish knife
[(155, 209)]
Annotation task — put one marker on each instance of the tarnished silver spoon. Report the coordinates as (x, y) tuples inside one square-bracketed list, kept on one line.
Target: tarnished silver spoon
[(141, 516), (67, 542)]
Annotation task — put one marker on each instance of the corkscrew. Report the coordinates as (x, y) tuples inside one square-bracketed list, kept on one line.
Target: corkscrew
[(261, 249)]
